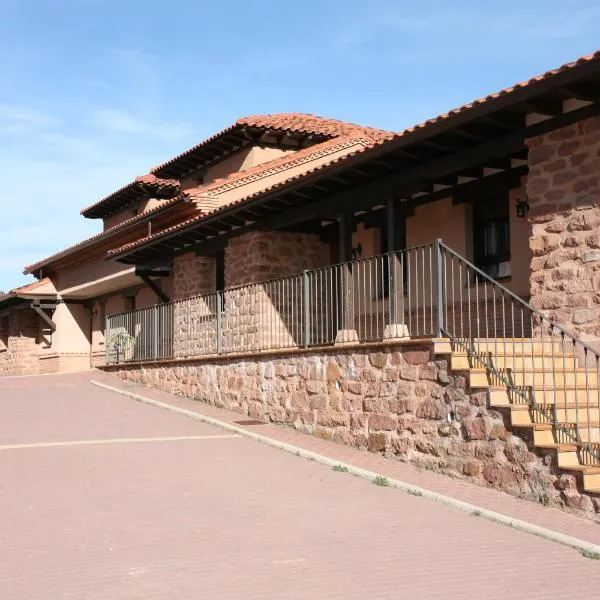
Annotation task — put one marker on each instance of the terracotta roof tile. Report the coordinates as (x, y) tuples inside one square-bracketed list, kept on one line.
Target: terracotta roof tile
[(103, 234), (277, 165), (293, 122), (217, 209), (23, 289), (150, 180), (330, 127), (504, 92)]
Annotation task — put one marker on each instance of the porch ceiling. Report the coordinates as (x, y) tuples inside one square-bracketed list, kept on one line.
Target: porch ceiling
[(111, 283), (443, 156)]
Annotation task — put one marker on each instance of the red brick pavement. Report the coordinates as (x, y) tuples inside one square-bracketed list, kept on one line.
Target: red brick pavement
[(231, 518)]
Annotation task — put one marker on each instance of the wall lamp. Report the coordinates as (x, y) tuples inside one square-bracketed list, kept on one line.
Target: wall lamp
[(522, 207)]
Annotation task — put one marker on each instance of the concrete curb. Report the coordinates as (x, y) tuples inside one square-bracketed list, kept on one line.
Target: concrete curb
[(583, 546)]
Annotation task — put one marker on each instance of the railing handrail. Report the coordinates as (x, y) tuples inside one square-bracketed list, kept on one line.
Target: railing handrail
[(283, 278), (520, 300)]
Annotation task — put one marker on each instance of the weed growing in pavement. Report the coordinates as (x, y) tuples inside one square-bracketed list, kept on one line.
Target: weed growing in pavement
[(381, 481), (415, 492), (476, 513), (340, 469), (589, 554)]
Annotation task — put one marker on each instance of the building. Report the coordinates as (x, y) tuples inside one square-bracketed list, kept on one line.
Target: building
[(346, 280)]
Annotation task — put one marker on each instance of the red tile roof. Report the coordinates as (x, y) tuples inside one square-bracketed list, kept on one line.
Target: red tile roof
[(23, 289), (293, 122), (200, 193), (144, 181), (30, 269), (506, 92), (328, 126)]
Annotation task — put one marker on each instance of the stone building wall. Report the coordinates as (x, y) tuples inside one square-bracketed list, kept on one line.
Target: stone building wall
[(193, 275), (262, 255), (18, 348), (563, 188), (267, 315), (397, 400), (194, 321)]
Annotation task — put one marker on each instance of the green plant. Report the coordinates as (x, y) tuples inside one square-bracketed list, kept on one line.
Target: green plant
[(415, 492), (121, 342), (340, 469), (381, 481), (589, 553), (476, 513)]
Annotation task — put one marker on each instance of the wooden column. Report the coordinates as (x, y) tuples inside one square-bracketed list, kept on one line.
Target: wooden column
[(396, 241), (345, 281)]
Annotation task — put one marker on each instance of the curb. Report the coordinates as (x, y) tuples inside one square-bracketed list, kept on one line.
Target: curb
[(585, 547)]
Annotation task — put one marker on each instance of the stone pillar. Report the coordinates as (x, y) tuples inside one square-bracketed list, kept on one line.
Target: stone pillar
[(18, 348), (194, 312), (263, 313), (563, 190), (193, 275)]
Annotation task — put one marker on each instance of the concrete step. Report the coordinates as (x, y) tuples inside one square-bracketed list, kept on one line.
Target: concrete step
[(461, 361), (524, 414), (578, 379), (591, 481)]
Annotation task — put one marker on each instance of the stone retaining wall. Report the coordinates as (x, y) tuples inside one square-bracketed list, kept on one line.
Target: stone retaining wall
[(399, 400)]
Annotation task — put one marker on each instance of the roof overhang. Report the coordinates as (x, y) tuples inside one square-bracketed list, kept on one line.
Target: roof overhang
[(231, 141), (141, 188), (488, 135), (105, 235)]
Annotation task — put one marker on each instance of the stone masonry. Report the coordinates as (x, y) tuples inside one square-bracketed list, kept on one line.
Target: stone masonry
[(563, 188), (397, 400), (263, 255), (262, 315), (18, 350), (193, 275), (194, 320)]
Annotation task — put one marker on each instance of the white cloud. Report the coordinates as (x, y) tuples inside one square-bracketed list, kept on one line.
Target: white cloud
[(15, 118), (124, 121)]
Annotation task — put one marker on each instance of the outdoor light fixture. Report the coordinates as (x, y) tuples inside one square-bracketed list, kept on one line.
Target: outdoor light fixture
[(522, 207)]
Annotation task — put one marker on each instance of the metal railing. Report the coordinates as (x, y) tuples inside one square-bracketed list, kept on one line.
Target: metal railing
[(364, 300), (427, 291), (540, 363)]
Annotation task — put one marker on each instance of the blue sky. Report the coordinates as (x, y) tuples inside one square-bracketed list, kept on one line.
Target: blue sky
[(95, 92)]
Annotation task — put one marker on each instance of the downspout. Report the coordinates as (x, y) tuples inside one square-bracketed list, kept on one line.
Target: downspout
[(92, 314)]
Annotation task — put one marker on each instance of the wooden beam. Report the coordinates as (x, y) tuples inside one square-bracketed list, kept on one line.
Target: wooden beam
[(545, 106), (146, 279), (587, 91), (401, 182)]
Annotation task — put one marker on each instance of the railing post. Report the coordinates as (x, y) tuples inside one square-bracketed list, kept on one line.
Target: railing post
[(106, 344), (306, 307), (439, 284), (219, 308)]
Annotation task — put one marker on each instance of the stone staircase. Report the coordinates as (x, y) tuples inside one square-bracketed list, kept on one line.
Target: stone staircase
[(547, 391)]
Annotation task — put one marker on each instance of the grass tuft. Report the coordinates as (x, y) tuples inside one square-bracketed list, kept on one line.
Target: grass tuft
[(381, 481), (589, 554), (340, 469)]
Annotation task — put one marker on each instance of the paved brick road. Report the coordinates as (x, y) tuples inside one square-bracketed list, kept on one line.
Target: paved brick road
[(204, 514)]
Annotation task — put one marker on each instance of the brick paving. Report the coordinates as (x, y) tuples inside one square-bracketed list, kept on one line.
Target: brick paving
[(227, 517)]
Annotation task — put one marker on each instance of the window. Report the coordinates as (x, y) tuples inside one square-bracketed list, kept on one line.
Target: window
[(129, 302), (491, 237)]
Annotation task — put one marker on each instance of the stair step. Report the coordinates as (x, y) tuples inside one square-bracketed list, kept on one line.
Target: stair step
[(562, 448), (462, 361), (480, 378), (568, 458)]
